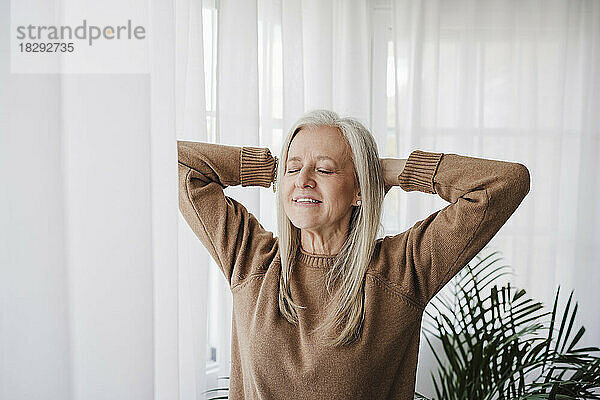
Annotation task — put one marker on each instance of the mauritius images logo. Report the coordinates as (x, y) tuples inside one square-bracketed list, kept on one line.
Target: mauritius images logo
[(89, 33)]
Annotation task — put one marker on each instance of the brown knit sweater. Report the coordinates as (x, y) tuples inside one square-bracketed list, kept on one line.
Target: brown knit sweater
[(274, 359)]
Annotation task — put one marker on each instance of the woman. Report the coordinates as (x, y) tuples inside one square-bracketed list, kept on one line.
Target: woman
[(326, 310)]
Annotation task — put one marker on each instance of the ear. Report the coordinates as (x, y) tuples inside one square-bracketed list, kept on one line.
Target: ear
[(357, 198)]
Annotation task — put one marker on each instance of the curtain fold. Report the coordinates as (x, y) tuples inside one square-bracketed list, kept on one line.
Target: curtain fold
[(293, 66), (194, 260)]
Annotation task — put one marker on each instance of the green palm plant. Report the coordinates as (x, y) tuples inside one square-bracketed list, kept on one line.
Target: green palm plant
[(504, 345)]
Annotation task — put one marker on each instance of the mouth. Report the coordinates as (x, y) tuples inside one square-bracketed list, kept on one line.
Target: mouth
[(307, 203)]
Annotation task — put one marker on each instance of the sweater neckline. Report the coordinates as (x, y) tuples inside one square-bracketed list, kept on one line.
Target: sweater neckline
[(315, 260)]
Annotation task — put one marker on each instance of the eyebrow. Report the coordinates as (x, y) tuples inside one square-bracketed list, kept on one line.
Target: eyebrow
[(296, 158)]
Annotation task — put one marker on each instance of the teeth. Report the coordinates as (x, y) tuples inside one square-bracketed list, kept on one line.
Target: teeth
[(306, 201)]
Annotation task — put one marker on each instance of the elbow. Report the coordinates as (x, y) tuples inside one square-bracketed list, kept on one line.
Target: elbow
[(180, 151), (183, 178), (510, 192), (185, 152), (519, 182), (524, 178)]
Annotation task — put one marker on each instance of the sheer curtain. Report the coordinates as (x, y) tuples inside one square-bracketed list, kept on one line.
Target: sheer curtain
[(88, 219)]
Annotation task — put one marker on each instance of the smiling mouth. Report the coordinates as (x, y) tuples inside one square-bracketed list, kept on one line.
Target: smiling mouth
[(307, 203)]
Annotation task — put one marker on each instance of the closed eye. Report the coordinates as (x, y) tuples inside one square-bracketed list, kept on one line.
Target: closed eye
[(322, 171)]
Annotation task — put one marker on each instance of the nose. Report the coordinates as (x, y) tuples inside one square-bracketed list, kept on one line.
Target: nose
[(304, 179)]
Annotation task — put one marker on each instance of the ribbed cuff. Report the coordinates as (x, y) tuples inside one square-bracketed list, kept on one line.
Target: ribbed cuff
[(419, 170), (256, 166)]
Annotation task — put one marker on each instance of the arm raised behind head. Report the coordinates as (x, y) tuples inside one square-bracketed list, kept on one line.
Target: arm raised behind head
[(232, 235), (482, 193)]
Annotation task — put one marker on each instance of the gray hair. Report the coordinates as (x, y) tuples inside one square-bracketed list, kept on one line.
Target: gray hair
[(351, 263)]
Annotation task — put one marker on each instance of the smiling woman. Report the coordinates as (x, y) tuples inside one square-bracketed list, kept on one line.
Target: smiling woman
[(333, 160), (326, 309), (320, 187)]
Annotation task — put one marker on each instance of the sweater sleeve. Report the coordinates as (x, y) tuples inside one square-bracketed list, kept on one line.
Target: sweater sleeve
[(232, 235), (482, 193)]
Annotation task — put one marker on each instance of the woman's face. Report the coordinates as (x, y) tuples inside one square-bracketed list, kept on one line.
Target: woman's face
[(319, 166)]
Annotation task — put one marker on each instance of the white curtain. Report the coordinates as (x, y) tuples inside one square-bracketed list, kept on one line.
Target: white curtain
[(88, 219), (104, 293)]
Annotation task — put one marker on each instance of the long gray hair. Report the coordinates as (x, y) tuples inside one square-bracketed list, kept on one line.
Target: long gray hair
[(349, 270)]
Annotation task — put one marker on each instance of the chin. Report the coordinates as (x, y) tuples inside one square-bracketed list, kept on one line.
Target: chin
[(303, 224)]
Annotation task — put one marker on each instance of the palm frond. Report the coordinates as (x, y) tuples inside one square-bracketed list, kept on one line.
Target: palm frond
[(497, 343)]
